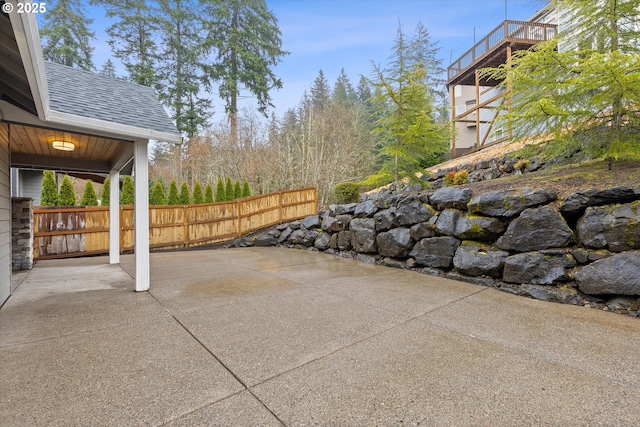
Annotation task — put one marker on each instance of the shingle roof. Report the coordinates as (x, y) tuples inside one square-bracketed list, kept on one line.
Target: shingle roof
[(105, 98)]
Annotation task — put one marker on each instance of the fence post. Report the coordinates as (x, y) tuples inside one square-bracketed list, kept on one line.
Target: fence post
[(239, 210), (121, 226), (281, 206), (185, 221)]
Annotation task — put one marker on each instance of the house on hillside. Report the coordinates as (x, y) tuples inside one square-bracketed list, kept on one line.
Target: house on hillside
[(60, 118), (476, 102)]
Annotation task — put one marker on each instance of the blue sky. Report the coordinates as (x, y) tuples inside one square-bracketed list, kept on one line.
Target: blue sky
[(331, 34)]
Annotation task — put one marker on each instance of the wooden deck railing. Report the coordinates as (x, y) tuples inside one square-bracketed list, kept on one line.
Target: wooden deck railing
[(508, 31), (69, 232)]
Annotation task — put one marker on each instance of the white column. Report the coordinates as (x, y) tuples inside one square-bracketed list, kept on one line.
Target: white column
[(141, 214), (114, 217)]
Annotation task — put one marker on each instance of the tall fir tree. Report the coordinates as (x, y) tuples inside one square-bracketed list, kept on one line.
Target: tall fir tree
[(132, 38), (185, 197), (237, 190), (127, 195), (174, 198), (343, 90), (220, 193), (89, 196), (228, 190), (244, 36), (246, 191), (105, 195), (108, 69), (67, 195), (67, 36), (49, 192), (320, 92)]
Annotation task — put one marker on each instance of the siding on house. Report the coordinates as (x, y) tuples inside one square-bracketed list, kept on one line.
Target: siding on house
[(5, 215), (31, 185)]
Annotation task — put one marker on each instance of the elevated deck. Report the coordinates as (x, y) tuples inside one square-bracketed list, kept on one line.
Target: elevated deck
[(491, 51)]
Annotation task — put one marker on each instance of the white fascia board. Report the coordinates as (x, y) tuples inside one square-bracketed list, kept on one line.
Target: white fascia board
[(25, 29), (104, 127)]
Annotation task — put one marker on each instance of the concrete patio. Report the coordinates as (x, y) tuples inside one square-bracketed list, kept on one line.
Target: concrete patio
[(261, 337)]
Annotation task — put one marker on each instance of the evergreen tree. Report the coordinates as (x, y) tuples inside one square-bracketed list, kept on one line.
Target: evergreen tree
[(246, 191), (108, 69), (89, 196), (320, 92), (127, 195), (220, 194), (198, 198), (244, 36), (49, 192), (343, 91), (157, 195), (105, 196), (408, 125), (178, 70), (131, 38), (173, 198), (237, 190), (208, 194), (583, 84), (228, 190), (185, 197), (66, 35), (67, 195)]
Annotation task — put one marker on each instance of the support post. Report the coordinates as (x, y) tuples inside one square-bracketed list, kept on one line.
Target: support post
[(141, 214), (478, 110), (114, 217), (453, 120)]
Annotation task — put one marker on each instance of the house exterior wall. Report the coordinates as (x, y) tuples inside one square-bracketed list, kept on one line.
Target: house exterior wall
[(5, 215), (29, 184)]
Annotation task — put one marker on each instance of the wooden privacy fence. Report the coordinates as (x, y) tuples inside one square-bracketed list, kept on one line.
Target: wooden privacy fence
[(69, 232)]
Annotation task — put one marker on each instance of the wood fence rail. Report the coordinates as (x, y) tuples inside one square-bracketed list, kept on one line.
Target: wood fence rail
[(75, 231)]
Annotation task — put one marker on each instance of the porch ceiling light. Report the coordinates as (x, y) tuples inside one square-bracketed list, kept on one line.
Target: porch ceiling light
[(63, 145)]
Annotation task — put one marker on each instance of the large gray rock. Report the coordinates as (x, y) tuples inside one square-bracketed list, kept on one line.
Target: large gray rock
[(618, 274), (615, 227), (365, 209), (508, 204), (342, 209), (535, 229), (422, 230), (394, 243), (453, 222), (564, 295), (477, 259), (285, 234), (538, 268), (265, 240), (435, 251), (576, 203), (332, 224), (363, 235), (311, 222), (304, 237), (411, 211), (322, 241), (450, 197), (386, 219)]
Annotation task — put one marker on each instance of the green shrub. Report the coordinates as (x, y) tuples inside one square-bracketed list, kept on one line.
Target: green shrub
[(208, 194), (449, 178), (347, 192), (220, 196), (198, 198), (228, 190), (157, 196), (246, 191), (89, 196), (461, 177), (376, 180), (105, 196), (49, 193), (173, 198), (67, 196), (127, 195), (237, 190), (185, 197), (522, 165)]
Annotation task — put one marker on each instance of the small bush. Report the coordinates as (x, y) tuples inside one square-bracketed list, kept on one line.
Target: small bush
[(127, 196), (449, 178), (376, 180), (220, 196), (237, 190), (89, 196), (246, 191), (157, 196), (461, 177), (208, 194), (67, 196), (347, 192), (105, 196), (173, 198), (522, 165), (49, 193), (198, 198), (228, 191), (185, 197)]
